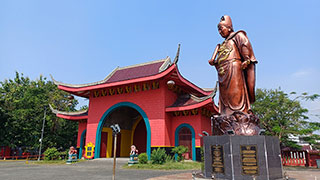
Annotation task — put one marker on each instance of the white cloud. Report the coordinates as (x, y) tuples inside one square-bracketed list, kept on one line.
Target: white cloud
[(304, 73)]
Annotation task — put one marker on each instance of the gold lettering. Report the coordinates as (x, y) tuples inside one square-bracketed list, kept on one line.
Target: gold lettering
[(104, 92), (250, 168), (128, 89), (136, 88), (120, 90), (111, 92), (249, 155), (155, 85), (185, 113), (248, 152), (249, 160), (96, 93)]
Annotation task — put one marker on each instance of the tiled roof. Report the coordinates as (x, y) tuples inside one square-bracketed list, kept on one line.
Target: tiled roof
[(127, 73), (189, 99), (136, 71)]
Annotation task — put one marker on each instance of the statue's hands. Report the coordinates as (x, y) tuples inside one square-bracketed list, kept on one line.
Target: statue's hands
[(245, 64), (211, 62)]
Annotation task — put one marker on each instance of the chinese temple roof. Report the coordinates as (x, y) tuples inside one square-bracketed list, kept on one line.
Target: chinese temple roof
[(127, 73), (140, 70), (136, 74)]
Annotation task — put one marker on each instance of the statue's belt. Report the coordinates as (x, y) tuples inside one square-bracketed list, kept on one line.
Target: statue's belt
[(223, 62)]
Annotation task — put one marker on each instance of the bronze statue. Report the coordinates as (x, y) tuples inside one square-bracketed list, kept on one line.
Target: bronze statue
[(235, 63)]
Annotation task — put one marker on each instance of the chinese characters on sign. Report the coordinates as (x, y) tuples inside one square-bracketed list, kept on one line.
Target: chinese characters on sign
[(217, 159), (249, 159)]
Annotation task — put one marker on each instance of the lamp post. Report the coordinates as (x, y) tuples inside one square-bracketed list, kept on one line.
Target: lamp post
[(42, 131), (115, 129)]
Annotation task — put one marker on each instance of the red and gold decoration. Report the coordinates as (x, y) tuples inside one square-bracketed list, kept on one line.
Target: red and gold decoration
[(126, 89)]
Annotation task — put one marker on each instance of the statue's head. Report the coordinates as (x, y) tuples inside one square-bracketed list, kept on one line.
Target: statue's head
[(225, 26)]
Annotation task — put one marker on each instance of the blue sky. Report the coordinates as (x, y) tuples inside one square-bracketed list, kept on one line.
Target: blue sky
[(82, 41)]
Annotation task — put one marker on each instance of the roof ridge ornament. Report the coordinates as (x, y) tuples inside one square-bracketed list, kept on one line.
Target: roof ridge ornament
[(165, 64), (175, 61)]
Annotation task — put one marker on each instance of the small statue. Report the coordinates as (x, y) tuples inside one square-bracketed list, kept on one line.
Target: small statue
[(133, 156), (72, 155), (134, 150), (235, 63), (72, 152)]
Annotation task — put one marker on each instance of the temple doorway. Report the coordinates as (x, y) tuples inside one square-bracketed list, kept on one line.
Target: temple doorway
[(133, 131), (185, 139)]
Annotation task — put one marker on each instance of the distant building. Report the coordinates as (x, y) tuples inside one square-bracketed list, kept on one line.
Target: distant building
[(153, 104)]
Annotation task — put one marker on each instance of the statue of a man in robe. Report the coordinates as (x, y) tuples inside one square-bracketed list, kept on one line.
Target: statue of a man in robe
[(235, 63)]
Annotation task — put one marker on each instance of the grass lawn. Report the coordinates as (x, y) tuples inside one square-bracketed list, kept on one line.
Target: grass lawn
[(167, 166)]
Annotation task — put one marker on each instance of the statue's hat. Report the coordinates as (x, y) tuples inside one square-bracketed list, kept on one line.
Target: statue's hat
[(226, 21)]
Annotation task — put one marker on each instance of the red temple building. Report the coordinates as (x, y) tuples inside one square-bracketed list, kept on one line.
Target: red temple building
[(152, 103)]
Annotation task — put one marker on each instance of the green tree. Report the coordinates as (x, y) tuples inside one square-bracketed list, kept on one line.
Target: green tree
[(22, 106), (281, 115)]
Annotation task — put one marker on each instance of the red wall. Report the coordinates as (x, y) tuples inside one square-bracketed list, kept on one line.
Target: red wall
[(82, 125), (198, 122), (151, 101), (192, 120)]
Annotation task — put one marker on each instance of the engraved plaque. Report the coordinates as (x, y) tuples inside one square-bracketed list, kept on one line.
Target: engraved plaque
[(217, 159), (249, 159)]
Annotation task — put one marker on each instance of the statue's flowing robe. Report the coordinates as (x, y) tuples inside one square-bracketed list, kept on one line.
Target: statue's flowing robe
[(236, 85)]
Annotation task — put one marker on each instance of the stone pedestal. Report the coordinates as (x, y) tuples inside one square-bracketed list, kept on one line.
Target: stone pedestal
[(242, 157)]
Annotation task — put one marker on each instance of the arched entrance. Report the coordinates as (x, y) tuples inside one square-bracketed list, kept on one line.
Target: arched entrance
[(184, 135), (185, 139), (139, 136), (82, 143), (133, 123)]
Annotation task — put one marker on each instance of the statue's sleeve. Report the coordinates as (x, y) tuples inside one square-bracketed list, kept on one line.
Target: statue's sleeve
[(246, 52), (245, 47)]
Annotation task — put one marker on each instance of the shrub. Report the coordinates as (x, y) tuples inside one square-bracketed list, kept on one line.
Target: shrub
[(143, 158), (51, 154), (179, 150), (201, 153), (64, 154), (169, 158), (158, 156)]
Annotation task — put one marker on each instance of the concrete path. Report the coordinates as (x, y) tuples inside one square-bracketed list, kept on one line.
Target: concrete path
[(87, 170), (101, 169), (292, 173)]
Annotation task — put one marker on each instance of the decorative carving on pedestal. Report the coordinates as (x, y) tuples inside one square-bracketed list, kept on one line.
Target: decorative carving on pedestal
[(237, 123)]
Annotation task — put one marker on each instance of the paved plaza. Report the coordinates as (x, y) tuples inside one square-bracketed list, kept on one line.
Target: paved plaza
[(101, 169)]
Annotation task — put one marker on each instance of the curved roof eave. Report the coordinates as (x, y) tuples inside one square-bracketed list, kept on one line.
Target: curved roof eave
[(72, 117), (203, 101), (83, 85), (190, 84), (164, 66), (193, 106), (98, 86), (78, 115)]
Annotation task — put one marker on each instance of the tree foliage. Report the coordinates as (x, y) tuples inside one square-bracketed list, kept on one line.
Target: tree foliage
[(22, 105), (281, 115)]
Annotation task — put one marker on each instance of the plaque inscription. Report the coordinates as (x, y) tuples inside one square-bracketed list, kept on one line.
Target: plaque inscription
[(217, 159), (249, 159)]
